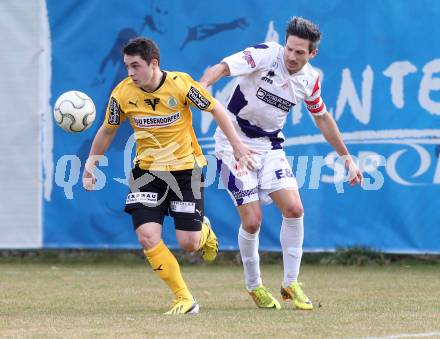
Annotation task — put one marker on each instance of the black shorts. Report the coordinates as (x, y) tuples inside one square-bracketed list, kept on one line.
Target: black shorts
[(154, 194)]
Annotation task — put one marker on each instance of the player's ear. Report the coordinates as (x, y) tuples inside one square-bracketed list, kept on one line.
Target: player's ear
[(155, 62), (313, 53)]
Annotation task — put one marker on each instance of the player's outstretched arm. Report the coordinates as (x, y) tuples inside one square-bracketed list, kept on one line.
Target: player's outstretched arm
[(242, 152), (101, 142), (330, 131), (214, 74)]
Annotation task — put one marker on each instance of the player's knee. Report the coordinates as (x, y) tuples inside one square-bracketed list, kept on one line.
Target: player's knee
[(293, 211), (189, 245), (252, 223), (148, 240)]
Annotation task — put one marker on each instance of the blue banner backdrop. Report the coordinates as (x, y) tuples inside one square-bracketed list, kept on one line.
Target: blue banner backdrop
[(380, 81)]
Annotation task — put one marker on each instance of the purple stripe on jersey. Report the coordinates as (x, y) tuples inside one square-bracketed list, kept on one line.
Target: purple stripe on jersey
[(236, 104), (261, 46), (253, 131), (229, 180), (237, 101)]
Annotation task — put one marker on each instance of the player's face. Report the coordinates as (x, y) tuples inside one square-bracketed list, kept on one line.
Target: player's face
[(139, 71), (296, 53)]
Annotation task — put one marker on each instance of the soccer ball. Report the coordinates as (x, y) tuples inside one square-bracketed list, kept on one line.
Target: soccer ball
[(74, 111)]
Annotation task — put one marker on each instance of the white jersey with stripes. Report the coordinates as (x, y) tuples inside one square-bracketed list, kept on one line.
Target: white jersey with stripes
[(264, 94)]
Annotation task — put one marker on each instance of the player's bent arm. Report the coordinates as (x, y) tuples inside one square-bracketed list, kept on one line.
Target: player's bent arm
[(330, 131), (242, 152), (100, 144), (214, 74)]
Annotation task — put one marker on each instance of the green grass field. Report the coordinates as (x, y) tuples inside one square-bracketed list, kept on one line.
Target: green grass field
[(125, 300)]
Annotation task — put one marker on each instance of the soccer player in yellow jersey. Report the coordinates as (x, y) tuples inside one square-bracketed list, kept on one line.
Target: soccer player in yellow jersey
[(167, 177)]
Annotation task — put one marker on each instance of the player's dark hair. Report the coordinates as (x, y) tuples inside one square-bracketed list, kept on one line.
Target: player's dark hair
[(145, 48), (304, 29)]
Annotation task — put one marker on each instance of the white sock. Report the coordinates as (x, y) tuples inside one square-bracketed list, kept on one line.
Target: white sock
[(291, 238), (248, 244)]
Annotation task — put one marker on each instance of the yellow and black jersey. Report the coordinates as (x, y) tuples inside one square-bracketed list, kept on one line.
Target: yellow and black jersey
[(162, 120)]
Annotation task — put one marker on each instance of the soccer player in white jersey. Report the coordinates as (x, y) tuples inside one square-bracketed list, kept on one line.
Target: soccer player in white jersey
[(272, 79)]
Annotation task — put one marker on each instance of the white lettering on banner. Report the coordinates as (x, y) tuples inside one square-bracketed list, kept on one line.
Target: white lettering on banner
[(72, 175), (183, 206), (397, 71), (61, 171), (361, 108), (331, 161), (425, 162), (429, 84), (99, 175), (369, 162), (142, 198)]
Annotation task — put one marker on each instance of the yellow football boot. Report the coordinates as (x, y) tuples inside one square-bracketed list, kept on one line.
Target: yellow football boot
[(295, 293), (183, 306), (263, 298), (210, 249)]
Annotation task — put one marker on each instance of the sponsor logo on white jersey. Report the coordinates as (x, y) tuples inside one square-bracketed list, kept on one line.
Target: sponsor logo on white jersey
[(274, 100)]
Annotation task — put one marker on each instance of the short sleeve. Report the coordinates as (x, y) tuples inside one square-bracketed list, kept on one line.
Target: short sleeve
[(251, 59), (197, 96), (114, 114)]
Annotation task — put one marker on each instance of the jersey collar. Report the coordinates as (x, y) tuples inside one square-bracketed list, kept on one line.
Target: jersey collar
[(162, 80)]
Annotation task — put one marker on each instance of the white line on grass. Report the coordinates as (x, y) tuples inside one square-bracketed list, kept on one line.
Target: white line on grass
[(408, 335)]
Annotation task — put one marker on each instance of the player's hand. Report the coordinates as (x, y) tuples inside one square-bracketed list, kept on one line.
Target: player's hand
[(245, 156), (354, 174), (88, 178)]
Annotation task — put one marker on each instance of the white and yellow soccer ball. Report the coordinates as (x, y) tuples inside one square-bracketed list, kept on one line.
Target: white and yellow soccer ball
[(74, 111)]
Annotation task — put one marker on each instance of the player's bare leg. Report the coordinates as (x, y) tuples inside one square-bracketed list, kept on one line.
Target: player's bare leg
[(204, 240)]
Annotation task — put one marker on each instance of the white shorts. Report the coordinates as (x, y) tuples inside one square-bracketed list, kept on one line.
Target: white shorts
[(273, 173)]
